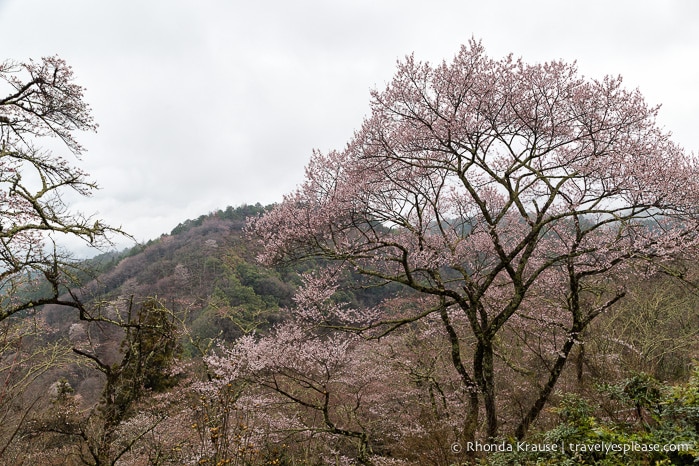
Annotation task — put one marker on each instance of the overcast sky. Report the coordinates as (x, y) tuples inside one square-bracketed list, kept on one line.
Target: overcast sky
[(213, 103)]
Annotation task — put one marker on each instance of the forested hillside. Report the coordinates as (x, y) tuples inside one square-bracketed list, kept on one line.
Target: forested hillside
[(201, 282), (500, 267), (142, 380), (204, 267)]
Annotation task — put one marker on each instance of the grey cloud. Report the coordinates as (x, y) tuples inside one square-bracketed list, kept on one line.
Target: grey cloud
[(215, 103)]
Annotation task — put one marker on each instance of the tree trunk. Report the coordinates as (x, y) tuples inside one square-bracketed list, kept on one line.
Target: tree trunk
[(546, 391), (485, 377), (471, 421), (489, 392)]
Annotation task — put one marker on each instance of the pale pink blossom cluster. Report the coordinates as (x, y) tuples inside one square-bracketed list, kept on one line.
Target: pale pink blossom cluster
[(346, 396)]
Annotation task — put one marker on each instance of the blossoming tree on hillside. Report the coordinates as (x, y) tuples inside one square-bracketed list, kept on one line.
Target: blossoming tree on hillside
[(346, 399), (513, 194)]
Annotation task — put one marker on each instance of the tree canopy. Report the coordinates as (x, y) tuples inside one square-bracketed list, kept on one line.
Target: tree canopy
[(514, 194), (41, 101)]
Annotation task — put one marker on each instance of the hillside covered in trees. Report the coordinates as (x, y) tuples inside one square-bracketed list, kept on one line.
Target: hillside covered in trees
[(500, 267), (147, 378)]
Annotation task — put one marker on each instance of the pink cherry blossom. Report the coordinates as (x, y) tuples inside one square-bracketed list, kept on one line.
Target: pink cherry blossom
[(514, 194)]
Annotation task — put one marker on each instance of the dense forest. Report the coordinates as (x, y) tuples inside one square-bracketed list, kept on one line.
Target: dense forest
[(499, 268)]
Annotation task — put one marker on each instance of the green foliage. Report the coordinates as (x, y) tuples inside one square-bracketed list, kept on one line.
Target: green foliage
[(236, 214), (148, 351), (63, 390), (245, 295), (658, 417), (151, 346)]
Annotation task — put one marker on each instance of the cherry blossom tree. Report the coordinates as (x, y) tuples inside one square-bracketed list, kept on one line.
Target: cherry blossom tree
[(41, 105), (513, 195), (291, 365), (300, 392), (303, 392)]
